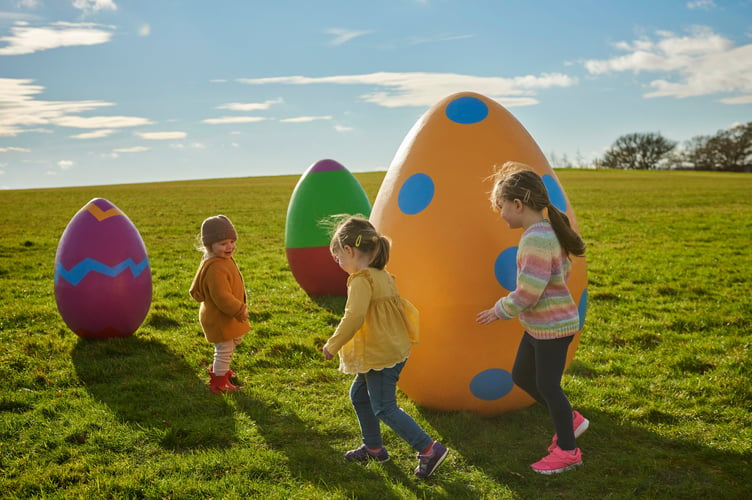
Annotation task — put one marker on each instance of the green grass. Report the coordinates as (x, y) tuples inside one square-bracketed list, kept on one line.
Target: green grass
[(663, 370)]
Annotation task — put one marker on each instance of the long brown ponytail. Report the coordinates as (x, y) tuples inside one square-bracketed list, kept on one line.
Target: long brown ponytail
[(517, 181)]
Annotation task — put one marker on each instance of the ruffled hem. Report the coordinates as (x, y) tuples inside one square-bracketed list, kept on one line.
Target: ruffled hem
[(348, 372)]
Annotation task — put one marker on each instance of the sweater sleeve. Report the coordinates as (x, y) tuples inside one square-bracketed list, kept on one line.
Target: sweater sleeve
[(358, 298), (219, 289), (534, 261)]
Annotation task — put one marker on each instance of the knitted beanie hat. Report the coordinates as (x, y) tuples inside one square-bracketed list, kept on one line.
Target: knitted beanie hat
[(216, 229)]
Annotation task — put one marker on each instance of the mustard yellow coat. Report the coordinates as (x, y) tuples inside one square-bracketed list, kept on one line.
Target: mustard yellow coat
[(219, 286), (378, 326)]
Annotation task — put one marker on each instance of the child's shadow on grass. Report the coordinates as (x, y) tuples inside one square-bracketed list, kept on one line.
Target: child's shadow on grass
[(313, 460), (146, 384), (308, 455), (504, 446)]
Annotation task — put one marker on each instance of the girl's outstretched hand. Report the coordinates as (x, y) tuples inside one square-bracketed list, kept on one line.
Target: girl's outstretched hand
[(486, 317), (327, 354)]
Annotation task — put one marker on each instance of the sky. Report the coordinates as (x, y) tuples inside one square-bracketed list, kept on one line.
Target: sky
[(97, 92)]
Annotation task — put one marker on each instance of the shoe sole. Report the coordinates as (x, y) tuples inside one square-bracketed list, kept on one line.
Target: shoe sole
[(581, 428), (556, 471), (369, 458), (438, 462), (579, 431)]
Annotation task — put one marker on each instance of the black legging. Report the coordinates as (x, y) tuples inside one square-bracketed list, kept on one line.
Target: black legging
[(537, 370)]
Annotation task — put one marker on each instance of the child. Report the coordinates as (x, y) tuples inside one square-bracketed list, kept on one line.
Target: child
[(373, 340), (219, 287), (543, 302)]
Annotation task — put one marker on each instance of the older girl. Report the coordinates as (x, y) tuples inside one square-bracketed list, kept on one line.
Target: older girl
[(543, 303)]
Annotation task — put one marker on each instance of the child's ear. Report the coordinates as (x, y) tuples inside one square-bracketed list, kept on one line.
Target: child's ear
[(518, 205)]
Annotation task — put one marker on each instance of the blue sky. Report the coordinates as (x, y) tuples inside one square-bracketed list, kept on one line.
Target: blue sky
[(119, 91)]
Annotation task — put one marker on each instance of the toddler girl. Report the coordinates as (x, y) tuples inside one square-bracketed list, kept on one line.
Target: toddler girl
[(219, 286)]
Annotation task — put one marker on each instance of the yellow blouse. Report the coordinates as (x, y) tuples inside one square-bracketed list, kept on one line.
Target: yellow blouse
[(378, 326)]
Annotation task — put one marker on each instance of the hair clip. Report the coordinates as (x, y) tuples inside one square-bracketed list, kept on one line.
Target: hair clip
[(358, 240)]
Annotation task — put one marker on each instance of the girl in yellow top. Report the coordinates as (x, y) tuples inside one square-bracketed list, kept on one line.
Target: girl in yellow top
[(373, 341)]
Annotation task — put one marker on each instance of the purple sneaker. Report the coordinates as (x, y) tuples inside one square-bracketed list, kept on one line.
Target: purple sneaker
[(363, 455), (429, 463)]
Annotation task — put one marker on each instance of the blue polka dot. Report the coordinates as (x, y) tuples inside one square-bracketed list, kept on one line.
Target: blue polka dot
[(467, 110), (492, 384), (505, 268), (582, 307), (555, 194), (415, 194)]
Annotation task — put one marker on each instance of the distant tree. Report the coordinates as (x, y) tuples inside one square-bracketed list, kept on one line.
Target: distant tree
[(553, 159), (565, 161), (640, 151), (729, 150), (579, 159)]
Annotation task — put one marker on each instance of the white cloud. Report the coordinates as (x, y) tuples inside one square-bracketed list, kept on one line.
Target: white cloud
[(425, 89), (144, 30), (134, 149), (91, 6), (742, 99), (701, 63), (16, 16), (100, 121), (161, 136), (250, 106), (701, 4), (193, 145), (342, 36), (233, 119), (97, 134), (21, 112), (65, 164), (343, 128), (25, 39), (437, 38), (12, 149), (305, 119)]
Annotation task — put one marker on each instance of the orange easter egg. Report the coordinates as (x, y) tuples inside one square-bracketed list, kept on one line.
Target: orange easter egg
[(453, 256)]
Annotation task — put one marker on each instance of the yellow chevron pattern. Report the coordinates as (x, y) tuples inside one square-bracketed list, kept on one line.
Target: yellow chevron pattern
[(102, 214)]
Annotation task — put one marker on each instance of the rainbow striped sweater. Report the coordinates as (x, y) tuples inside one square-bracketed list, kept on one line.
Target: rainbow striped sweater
[(541, 299)]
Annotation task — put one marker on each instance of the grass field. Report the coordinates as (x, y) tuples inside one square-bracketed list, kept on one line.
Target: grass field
[(663, 370)]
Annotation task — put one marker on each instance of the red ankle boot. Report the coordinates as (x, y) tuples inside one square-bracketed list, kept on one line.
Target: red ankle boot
[(229, 372), (221, 384)]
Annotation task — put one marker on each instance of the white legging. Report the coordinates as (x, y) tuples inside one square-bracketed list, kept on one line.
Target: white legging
[(223, 354)]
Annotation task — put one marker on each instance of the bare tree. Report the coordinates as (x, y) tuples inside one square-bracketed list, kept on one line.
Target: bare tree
[(640, 151), (729, 150)]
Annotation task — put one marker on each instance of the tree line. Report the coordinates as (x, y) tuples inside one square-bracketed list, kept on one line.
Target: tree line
[(728, 150)]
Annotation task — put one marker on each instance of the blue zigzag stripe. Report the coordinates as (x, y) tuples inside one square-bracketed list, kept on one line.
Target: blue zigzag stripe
[(80, 270)]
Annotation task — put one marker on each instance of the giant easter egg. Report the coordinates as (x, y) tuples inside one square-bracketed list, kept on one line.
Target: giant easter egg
[(325, 189), (454, 257), (102, 274)]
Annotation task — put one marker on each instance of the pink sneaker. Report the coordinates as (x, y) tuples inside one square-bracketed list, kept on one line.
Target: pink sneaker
[(580, 425), (558, 461)]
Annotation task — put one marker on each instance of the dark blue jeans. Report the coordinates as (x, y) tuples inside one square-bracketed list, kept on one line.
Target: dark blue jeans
[(374, 398), (537, 370)]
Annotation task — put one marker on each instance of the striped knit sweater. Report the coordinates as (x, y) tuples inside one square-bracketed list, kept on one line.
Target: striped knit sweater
[(541, 298)]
